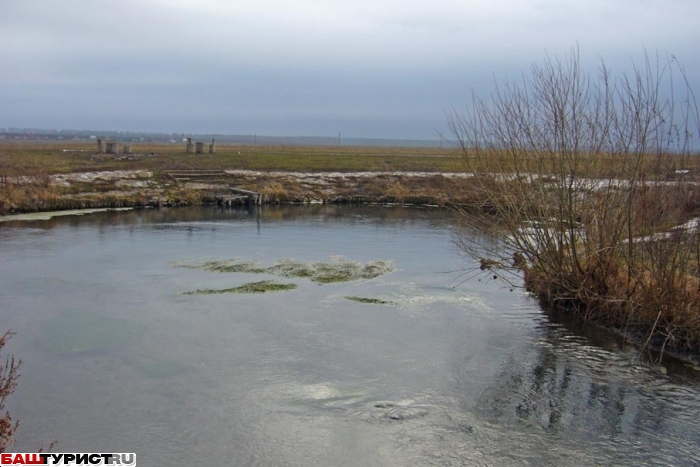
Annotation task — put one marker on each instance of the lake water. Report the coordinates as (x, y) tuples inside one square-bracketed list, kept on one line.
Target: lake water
[(118, 358)]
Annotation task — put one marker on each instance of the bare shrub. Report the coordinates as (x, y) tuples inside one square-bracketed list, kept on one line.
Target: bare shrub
[(8, 383), (585, 184)]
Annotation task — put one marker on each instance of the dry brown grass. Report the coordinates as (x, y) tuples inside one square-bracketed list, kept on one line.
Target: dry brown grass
[(273, 192)]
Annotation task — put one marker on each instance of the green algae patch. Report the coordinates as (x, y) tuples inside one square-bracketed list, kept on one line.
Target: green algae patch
[(327, 272), (250, 287), (82, 331), (369, 301), (320, 272), (230, 265), (292, 268)]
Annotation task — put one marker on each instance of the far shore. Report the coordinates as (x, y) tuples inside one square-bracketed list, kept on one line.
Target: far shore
[(40, 177), (49, 176)]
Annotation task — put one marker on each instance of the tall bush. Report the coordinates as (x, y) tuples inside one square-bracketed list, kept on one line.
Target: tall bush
[(585, 182)]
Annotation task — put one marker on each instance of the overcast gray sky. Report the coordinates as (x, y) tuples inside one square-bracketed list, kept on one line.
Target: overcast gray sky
[(365, 68)]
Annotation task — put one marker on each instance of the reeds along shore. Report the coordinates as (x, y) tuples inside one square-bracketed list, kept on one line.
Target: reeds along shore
[(28, 196), (592, 192)]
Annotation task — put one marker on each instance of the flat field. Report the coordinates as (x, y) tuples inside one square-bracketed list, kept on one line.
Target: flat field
[(63, 157)]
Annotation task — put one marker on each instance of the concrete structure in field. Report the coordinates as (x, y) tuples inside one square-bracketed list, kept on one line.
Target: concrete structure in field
[(112, 147), (107, 146)]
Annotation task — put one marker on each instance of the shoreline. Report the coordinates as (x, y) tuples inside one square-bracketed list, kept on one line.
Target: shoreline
[(140, 188), (87, 192)]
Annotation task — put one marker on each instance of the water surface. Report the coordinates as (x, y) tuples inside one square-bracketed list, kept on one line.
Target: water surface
[(118, 358)]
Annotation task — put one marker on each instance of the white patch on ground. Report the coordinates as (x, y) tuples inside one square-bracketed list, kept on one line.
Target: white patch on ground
[(135, 183), (692, 227), (44, 216), (107, 176), (313, 176)]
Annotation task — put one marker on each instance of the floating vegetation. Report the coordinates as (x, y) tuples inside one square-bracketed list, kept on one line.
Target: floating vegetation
[(321, 272), (370, 301), (231, 265), (250, 287), (262, 287), (327, 272), (293, 268)]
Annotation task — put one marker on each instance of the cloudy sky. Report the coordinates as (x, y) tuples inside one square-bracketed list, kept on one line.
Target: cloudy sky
[(365, 68)]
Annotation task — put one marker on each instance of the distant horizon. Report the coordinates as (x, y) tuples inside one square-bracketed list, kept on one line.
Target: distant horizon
[(92, 131), (375, 70), (57, 134)]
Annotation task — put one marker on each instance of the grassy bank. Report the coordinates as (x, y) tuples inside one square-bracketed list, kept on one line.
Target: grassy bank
[(55, 176)]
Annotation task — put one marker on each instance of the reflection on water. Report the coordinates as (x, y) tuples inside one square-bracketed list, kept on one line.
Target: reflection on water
[(118, 358)]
